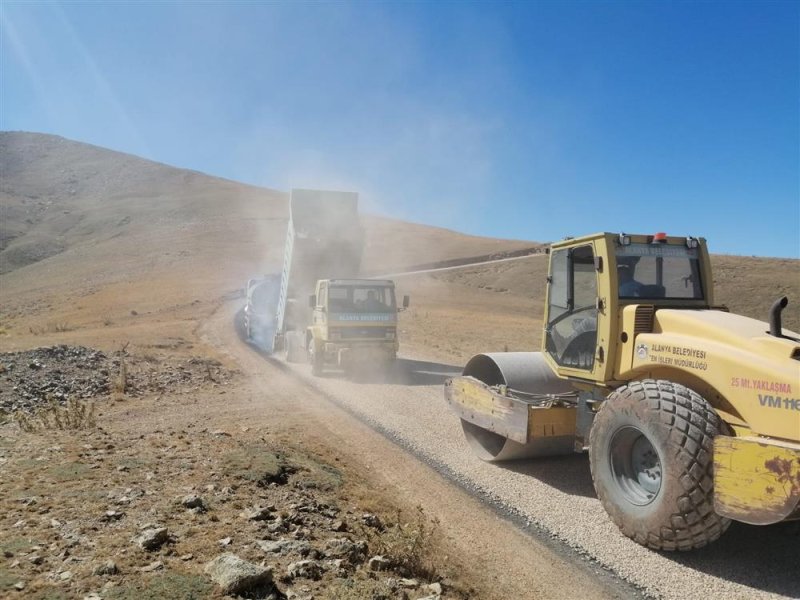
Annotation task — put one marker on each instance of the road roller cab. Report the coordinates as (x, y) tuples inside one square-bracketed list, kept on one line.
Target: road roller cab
[(690, 414)]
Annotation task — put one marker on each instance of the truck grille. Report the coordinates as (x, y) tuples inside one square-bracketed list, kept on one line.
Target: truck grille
[(362, 333)]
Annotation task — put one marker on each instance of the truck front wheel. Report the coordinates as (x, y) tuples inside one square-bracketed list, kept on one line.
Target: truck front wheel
[(651, 455), (315, 358)]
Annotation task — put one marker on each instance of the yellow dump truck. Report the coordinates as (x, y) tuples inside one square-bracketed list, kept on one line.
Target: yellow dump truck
[(354, 322), (690, 414)]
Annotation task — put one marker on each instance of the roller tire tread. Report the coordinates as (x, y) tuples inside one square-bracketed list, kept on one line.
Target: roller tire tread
[(687, 423)]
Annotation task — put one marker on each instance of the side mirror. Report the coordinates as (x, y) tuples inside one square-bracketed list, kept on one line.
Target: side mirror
[(312, 301), (406, 301)]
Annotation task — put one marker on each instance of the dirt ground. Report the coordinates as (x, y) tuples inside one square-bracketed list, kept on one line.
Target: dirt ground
[(204, 457)]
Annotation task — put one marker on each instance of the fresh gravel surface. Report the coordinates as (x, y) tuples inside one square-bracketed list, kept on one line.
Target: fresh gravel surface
[(556, 498)]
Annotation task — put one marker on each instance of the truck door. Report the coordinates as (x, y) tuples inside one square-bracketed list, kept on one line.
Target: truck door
[(572, 315), (322, 303)]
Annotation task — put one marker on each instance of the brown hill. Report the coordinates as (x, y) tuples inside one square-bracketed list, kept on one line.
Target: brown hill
[(89, 236)]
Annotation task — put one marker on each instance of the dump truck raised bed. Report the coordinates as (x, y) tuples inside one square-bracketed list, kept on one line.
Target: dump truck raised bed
[(690, 414), (317, 308), (324, 237)]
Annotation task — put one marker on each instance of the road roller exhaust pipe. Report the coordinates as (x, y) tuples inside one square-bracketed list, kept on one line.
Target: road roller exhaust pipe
[(775, 311), (513, 406)]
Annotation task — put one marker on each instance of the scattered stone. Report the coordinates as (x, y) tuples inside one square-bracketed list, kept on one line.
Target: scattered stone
[(153, 538), (343, 548), (107, 568), (57, 373), (36, 559), (307, 569), (379, 563), (410, 584), (279, 526), (19, 586), (337, 566), (187, 557), (55, 523), (113, 515), (153, 566), (371, 520), (220, 433), (284, 547), (236, 576), (257, 514), (339, 526), (194, 502), (225, 541), (435, 588), (65, 576)]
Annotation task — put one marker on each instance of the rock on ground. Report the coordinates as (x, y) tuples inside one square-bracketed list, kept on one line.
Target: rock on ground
[(236, 576)]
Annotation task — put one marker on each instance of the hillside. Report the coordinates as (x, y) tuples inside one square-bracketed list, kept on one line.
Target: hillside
[(98, 246), (87, 235)]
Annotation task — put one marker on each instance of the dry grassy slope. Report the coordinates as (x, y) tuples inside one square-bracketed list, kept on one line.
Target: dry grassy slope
[(392, 245), (88, 235), (494, 307)]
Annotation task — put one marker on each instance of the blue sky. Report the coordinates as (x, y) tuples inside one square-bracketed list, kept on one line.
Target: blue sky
[(531, 120)]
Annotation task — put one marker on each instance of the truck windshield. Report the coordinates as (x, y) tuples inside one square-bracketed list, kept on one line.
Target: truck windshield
[(361, 299), (659, 271)]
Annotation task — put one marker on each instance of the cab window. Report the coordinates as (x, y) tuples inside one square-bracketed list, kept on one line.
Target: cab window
[(659, 271), (571, 333)]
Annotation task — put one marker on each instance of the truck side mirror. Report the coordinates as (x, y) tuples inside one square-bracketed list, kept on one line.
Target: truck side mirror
[(406, 301), (312, 301)]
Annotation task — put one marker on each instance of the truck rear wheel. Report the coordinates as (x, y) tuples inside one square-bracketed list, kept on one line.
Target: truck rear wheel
[(651, 456), (294, 347), (247, 328)]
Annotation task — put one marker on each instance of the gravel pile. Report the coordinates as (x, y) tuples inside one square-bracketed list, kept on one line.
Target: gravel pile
[(33, 378)]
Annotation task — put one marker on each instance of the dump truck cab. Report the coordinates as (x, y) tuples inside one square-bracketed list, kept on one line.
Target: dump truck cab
[(354, 322), (690, 414)]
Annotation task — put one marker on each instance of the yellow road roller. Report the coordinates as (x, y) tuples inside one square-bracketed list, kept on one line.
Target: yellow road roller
[(690, 414)]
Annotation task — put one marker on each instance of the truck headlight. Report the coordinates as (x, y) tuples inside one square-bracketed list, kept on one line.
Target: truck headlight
[(390, 335)]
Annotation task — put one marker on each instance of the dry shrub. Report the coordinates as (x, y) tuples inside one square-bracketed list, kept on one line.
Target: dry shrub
[(74, 415), (52, 327), (409, 545), (121, 380)]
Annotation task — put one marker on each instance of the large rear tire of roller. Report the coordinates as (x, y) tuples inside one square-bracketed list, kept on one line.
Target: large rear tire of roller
[(651, 455), (525, 372)]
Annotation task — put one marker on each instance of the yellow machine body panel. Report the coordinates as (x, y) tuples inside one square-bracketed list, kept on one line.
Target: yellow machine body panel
[(510, 417), (729, 360), (756, 481)]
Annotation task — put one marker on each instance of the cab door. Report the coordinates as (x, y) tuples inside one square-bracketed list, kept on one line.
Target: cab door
[(573, 321)]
